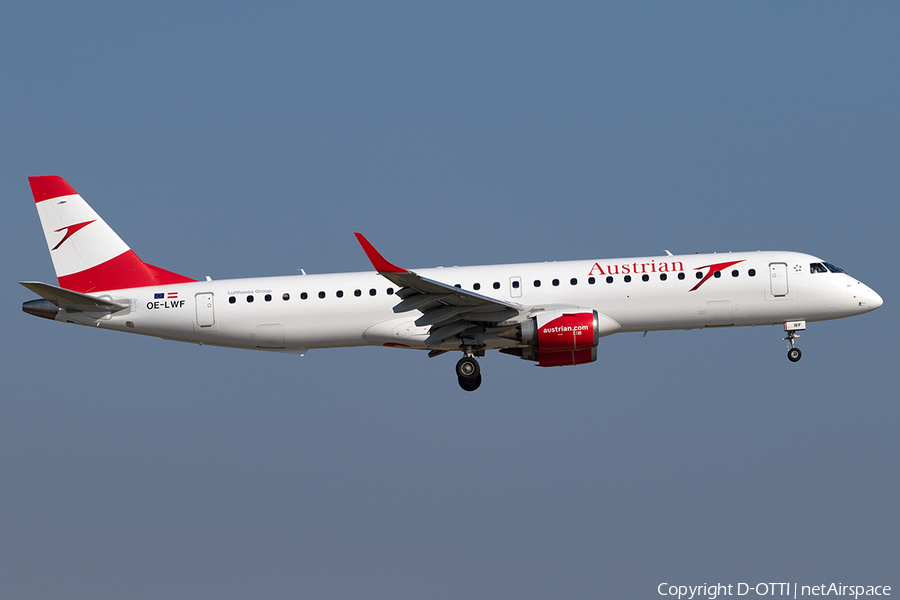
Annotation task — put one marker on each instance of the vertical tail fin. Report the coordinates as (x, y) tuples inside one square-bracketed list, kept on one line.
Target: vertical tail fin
[(87, 254)]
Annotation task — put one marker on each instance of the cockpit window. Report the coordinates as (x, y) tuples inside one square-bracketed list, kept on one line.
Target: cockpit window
[(824, 268)]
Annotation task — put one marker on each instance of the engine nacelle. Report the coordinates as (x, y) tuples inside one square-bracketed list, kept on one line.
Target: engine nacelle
[(561, 337), (556, 331)]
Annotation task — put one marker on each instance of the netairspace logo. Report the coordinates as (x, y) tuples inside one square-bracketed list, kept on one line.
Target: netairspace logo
[(794, 590)]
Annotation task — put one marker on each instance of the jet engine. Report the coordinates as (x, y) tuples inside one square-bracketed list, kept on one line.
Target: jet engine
[(561, 337)]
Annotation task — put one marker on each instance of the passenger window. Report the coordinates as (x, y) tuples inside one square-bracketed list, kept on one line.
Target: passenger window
[(321, 294), (717, 274), (357, 293), (304, 296), (231, 299), (457, 285), (249, 298), (268, 297), (681, 275), (752, 272), (735, 273), (496, 285), (390, 291), (609, 279), (537, 283), (339, 294), (645, 277), (515, 284), (372, 292), (573, 281), (591, 281), (699, 275), (555, 282), (663, 276), (476, 286), (628, 279), (286, 297)]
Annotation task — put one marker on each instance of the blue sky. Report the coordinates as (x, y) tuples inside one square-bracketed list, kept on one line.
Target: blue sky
[(235, 140)]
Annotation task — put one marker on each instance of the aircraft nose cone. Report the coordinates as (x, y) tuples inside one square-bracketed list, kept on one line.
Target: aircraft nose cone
[(875, 301), (868, 298)]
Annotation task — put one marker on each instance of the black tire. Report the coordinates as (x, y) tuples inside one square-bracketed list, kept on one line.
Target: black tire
[(467, 369), (794, 354), (470, 386)]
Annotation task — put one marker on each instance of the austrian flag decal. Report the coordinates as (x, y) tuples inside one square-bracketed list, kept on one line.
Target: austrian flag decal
[(163, 300)]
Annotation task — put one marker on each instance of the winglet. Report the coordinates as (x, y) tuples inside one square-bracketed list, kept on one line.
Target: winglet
[(378, 261)]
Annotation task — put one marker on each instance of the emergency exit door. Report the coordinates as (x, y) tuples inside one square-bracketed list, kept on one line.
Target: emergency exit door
[(515, 287)]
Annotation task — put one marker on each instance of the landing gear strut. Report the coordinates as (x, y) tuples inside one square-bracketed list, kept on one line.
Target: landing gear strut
[(468, 373), (792, 328)]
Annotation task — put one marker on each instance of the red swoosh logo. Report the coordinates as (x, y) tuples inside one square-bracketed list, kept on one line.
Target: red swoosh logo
[(70, 231), (713, 269)]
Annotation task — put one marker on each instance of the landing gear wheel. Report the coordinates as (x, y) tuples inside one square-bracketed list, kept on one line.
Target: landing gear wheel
[(467, 369), (794, 354), (470, 386)]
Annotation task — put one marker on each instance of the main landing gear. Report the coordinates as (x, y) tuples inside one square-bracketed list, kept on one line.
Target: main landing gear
[(469, 373), (792, 328)]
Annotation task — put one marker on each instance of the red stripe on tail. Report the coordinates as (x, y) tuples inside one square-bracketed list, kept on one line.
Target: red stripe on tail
[(123, 271), (48, 187)]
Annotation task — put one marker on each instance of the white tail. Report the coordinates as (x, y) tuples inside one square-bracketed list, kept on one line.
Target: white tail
[(87, 254)]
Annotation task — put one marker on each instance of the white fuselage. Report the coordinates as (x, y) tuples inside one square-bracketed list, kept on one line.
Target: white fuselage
[(297, 313)]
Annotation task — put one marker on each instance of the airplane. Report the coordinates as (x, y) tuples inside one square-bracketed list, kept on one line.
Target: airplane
[(551, 313)]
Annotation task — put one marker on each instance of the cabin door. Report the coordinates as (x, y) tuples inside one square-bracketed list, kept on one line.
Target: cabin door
[(778, 279), (205, 310)]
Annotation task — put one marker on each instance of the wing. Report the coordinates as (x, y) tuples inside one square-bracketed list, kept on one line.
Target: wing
[(451, 311)]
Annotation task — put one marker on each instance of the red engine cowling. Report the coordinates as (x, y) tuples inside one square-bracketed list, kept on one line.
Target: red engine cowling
[(566, 357), (559, 338), (560, 331), (566, 339)]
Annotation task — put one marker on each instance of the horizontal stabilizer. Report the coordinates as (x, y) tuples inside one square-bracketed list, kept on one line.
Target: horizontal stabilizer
[(73, 301)]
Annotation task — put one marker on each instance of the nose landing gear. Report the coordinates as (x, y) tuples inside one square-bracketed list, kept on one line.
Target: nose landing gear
[(468, 373), (792, 327)]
